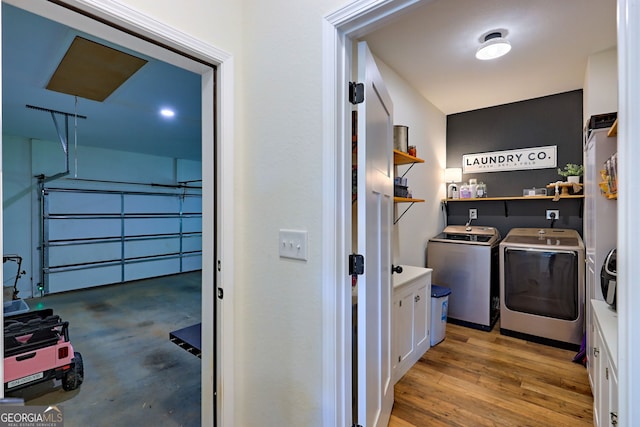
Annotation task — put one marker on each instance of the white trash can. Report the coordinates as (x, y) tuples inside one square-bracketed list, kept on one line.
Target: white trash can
[(439, 310)]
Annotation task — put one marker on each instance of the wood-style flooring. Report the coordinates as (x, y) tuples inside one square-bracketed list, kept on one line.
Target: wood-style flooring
[(477, 378)]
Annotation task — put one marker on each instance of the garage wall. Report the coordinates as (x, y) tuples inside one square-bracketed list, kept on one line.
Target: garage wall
[(17, 190), (98, 169)]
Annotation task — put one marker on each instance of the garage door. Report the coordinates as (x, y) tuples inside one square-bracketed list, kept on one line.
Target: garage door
[(98, 237)]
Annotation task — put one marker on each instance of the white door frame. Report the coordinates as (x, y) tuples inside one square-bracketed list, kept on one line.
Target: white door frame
[(356, 19), (217, 145), (339, 30), (628, 205)]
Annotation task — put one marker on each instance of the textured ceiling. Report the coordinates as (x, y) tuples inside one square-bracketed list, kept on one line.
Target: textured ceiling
[(433, 48)]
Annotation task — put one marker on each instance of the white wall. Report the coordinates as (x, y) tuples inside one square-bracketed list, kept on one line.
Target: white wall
[(277, 50), (601, 84), (279, 301), (428, 132), (25, 158)]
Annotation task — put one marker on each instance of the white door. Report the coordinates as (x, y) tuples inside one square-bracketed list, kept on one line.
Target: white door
[(375, 210)]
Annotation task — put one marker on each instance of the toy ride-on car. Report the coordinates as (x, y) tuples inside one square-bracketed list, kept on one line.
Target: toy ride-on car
[(37, 349)]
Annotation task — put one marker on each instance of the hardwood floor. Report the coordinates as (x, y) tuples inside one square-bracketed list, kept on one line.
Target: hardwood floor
[(477, 378)]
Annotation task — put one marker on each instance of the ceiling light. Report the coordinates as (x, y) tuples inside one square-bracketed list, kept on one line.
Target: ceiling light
[(167, 112), (494, 46)]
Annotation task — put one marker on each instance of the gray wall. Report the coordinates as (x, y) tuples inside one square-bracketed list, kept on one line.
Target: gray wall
[(550, 120)]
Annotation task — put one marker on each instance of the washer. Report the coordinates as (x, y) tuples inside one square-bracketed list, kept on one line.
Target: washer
[(465, 259), (542, 286)]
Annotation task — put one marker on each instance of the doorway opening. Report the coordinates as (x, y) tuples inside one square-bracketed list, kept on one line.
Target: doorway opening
[(138, 33)]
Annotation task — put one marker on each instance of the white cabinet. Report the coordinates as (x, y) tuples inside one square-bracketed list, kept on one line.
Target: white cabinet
[(410, 317), (605, 361), (599, 222)]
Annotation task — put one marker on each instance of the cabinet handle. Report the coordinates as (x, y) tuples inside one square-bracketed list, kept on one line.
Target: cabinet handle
[(614, 418), (596, 352)]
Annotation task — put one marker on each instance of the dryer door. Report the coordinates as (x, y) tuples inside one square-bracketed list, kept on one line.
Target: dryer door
[(541, 282)]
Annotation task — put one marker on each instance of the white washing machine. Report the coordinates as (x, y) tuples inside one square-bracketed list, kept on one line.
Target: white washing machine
[(465, 259), (542, 286)]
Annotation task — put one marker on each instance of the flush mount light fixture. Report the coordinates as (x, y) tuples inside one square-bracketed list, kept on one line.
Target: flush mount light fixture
[(494, 46)]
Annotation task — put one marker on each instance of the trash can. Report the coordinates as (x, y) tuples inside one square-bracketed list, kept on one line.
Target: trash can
[(439, 305)]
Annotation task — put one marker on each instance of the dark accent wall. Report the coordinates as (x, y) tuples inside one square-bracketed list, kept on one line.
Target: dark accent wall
[(550, 120)]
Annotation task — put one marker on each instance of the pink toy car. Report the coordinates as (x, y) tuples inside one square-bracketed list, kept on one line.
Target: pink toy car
[(37, 349)]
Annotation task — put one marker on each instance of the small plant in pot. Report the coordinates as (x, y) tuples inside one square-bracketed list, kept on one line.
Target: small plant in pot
[(572, 172)]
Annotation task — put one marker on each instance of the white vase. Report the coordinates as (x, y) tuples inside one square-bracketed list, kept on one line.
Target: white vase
[(573, 179)]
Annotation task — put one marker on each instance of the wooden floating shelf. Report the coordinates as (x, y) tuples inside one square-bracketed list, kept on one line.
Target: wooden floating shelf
[(407, 200), (614, 129), (402, 158), (482, 199)]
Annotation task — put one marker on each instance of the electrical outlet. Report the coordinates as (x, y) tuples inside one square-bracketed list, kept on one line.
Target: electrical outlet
[(473, 213), (553, 214)]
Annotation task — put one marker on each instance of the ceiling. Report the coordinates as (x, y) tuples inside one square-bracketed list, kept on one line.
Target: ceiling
[(433, 48), (127, 120)]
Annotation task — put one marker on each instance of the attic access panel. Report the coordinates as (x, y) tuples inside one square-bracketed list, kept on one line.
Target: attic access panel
[(93, 71)]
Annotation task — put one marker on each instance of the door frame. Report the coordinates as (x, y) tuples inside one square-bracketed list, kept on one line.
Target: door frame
[(339, 30), (217, 192), (356, 19)]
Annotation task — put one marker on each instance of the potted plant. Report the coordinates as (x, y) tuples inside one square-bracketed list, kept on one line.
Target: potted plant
[(572, 172)]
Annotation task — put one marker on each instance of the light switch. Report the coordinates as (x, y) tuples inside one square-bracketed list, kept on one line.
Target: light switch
[(293, 244)]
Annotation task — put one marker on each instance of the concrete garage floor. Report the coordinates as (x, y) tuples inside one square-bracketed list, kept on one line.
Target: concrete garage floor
[(133, 374)]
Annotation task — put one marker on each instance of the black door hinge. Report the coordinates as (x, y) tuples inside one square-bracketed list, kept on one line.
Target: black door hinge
[(356, 93), (356, 265), (220, 293)]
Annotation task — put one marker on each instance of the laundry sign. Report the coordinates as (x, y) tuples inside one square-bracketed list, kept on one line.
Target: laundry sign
[(511, 160)]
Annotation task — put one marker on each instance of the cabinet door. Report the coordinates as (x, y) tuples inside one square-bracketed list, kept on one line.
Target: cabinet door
[(404, 325), (590, 326), (597, 356), (613, 395), (421, 320), (603, 386)]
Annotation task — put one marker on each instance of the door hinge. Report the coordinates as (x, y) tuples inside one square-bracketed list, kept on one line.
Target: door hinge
[(220, 293), (356, 93), (356, 265)]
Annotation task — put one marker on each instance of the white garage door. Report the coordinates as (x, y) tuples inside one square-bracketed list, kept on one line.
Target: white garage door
[(98, 237)]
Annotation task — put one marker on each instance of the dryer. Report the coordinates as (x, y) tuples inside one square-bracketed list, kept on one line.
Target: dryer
[(542, 286)]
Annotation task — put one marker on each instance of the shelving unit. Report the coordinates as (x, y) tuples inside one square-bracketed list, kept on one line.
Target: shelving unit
[(402, 158), (506, 198), (614, 129), (600, 236), (513, 198)]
